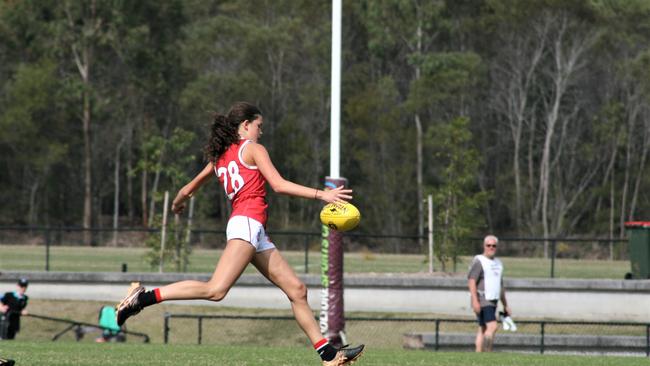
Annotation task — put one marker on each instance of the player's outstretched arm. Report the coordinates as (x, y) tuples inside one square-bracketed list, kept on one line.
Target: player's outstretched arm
[(178, 205), (259, 156)]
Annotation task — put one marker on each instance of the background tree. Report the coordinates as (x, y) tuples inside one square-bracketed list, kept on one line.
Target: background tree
[(552, 95), (457, 197)]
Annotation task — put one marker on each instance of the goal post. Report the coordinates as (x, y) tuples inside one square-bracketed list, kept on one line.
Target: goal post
[(332, 318)]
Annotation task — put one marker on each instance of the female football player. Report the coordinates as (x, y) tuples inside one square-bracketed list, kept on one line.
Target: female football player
[(243, 167)]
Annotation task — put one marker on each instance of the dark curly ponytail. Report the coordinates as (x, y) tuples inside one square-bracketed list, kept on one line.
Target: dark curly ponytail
[(223, 132)]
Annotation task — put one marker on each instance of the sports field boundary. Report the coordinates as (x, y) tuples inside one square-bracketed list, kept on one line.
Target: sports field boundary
[(374, 280), (559, 299)]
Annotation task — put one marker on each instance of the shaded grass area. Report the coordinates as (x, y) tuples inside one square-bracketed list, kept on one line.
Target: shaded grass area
[(67, 353), (110, 259)]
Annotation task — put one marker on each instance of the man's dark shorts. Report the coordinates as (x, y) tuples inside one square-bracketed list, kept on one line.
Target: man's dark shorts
[(487, 314)]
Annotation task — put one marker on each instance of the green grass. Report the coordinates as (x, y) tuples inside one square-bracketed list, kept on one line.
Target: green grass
[(276, 332), (218, 331), (109, 259), (149, 321), (69, 353), (239, 342)]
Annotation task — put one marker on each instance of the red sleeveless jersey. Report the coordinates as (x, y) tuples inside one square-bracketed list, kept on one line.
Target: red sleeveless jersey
[(243, 183)]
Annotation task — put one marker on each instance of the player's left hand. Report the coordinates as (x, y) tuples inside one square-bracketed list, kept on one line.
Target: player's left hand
[(338, 194)]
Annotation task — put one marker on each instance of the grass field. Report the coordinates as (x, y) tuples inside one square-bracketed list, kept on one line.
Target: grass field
[(383, 334), (248, 332), (215, 331), (239, 342), (68, 353), (101, 259)]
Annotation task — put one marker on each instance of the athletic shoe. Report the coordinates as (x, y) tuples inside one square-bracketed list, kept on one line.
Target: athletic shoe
[(5, 362), (130, 305), (345, 356)]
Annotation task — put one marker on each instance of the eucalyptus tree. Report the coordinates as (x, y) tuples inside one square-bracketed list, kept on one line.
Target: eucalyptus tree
[(403, 32), (542, 64), (31, 127), (514, 75), (380, 150), (625, 45), (81, 32), (275, 56), (144, 79), (33, 101), (455, 195)]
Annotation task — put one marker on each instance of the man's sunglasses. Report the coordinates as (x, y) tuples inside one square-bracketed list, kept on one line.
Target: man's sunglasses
[(491, 245)]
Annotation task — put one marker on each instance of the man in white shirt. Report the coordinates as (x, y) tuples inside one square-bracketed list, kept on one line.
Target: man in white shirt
[(485, 282)]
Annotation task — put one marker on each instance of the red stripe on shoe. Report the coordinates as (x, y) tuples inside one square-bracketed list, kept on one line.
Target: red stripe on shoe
[(320, 344), (156, 292)]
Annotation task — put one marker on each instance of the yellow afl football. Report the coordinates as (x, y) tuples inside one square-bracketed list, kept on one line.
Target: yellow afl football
[(340, 216)]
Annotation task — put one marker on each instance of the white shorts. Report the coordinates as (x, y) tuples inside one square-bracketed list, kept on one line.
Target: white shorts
[(250, 230)]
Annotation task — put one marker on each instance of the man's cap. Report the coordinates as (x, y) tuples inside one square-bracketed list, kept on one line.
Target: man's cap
[(23, 282)]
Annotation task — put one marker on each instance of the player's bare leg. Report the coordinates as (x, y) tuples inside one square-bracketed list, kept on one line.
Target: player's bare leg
[(274, 267), (490, 331), (479, 338), (236, 256), (232, 263)]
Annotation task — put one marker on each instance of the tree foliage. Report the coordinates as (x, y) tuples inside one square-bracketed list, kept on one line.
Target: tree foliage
[(525, 118)]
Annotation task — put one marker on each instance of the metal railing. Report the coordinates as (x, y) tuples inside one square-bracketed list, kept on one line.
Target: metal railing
[(533, 335), (553, 244), (51, 236), (544, 324), (78, 328)]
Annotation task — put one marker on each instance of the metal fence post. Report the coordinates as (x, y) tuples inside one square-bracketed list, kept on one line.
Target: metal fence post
[(47, 249), (163, 233), (541, 347), (553, 244), (647, 340), (200, 328), (306, 254), (437, 347), (611, 249), (166, 328), (59, 235)]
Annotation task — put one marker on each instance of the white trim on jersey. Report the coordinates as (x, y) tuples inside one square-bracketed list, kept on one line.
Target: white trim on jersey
[(241, 159)]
